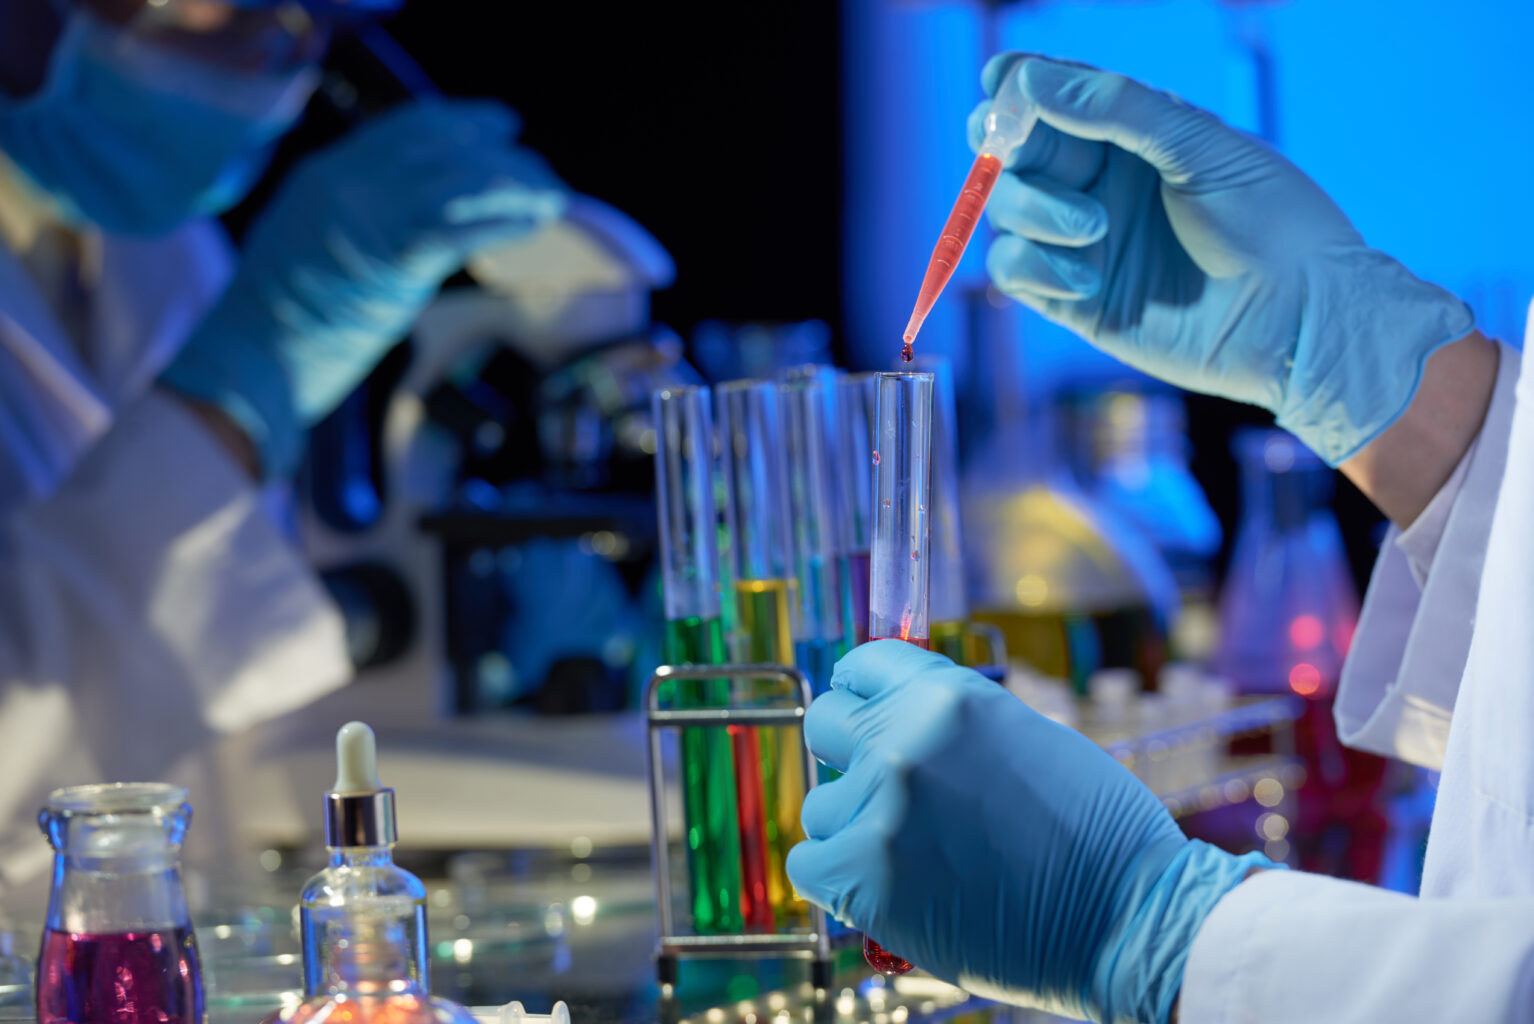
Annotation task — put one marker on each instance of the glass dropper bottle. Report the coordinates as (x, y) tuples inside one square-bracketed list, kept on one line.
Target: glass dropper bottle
[(899, 570), (363, 919), (361, 882)]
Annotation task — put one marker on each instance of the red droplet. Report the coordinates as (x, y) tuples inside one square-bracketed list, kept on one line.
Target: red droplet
[(882, 960), (907, 353), (876, 458)]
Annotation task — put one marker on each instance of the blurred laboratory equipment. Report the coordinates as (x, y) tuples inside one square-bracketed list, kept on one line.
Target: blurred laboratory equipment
[(1071, 588), (1288, 610), (809, 396), (900, 570), (947, 604), (483, 514), (1288, 607), (512, 1013), (513, 442), (978, 645), (1131, 452), (726, 840), (737, 351), (118, 942)]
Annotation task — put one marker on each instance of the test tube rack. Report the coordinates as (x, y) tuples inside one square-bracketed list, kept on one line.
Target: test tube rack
[(813, 945)]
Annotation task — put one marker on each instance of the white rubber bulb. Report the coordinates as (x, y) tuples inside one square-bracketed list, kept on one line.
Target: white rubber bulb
[(356, 760)]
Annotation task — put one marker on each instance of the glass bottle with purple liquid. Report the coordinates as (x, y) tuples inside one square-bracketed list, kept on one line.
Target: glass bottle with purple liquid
[(118, 945)]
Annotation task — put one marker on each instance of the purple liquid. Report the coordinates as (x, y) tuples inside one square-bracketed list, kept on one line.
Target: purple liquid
[(149, 977), (857, 569)]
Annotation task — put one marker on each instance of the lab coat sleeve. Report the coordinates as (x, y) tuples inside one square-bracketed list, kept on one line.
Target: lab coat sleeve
[(156, 536), (146, 605), (1287, 947), (1402, 676)]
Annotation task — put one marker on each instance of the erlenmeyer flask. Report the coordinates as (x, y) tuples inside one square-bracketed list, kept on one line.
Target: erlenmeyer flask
[(1287, 611), (1288, 607), (118, 946)]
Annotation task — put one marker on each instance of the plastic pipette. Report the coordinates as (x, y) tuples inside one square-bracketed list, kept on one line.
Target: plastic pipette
[(1007, 125)]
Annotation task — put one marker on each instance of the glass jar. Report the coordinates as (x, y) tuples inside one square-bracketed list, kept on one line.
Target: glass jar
[(118, 945)]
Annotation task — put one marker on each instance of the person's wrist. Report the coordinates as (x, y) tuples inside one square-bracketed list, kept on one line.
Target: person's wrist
[(1366, 332), (1139, 970), (237, 376), (1405, 465), (231, 437)]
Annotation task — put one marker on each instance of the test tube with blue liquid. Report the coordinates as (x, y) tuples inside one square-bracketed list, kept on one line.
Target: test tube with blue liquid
[(809, 396)]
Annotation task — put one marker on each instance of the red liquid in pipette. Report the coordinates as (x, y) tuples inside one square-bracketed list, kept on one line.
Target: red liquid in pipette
[(953, 241), (879, 958)]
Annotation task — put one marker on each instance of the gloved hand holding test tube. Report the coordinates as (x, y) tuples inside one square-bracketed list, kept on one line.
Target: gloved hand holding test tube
[(1007, 125), (897, 603)]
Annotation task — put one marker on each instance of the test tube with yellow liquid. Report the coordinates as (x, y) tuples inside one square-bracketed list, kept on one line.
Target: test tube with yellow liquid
[(766, 599)]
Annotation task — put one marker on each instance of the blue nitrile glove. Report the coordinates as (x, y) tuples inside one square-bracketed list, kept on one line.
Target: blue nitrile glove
[(340, 264), (1199, 255), (995, 848)]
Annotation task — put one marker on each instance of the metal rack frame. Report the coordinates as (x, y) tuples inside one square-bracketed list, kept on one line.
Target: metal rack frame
[(813, 945)]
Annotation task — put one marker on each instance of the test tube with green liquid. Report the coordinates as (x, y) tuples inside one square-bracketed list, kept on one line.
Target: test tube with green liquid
[(766, 600), (684, 499), (808, 395)]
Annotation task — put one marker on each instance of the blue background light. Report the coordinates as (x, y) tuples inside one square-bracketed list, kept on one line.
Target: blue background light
[(1413, 114)]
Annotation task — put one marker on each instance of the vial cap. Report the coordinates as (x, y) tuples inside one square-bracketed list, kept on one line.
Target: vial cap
[(356, 760)]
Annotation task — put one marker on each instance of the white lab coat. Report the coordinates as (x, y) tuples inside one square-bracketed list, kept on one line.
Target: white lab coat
[(147, 601), (1423, 685)]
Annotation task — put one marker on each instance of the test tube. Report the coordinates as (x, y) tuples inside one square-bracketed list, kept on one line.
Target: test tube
[(765, 604), (808, 396), (897, 603), (684, 498), (898, 574), (855, 401)]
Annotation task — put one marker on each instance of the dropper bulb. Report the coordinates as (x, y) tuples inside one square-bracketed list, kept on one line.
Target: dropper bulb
[(356, 760)]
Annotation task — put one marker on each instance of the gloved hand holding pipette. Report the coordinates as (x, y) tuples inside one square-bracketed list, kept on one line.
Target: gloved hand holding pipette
[(1201, 256)]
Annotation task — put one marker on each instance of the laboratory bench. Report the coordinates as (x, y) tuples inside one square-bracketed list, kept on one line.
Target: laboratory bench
[(578, 922)]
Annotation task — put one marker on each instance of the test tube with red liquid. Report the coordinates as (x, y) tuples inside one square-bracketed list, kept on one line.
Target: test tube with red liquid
[(897, 599)]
